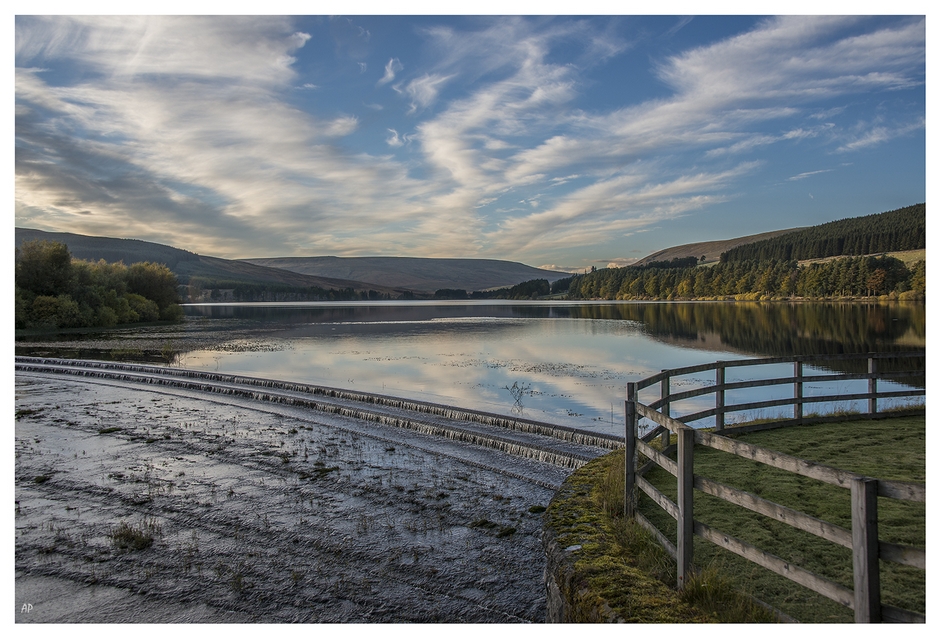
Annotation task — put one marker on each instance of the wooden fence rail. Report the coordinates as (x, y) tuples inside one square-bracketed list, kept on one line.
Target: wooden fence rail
[(862, 538)]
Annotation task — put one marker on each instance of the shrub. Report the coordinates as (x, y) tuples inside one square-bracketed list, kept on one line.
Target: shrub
[(54, 291)]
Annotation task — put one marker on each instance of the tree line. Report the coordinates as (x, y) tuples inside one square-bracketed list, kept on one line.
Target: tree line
[(770, 279), (531, 289), (901, 229), (201, 289), (54, 290)]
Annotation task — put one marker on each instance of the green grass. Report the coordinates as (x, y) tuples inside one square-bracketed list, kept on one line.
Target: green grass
[(886, 449), (618, 564)]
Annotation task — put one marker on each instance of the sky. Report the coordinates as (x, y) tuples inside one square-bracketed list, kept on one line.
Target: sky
[(560, 142)]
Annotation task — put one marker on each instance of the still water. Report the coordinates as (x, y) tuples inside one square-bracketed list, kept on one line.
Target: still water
[(562, 362)]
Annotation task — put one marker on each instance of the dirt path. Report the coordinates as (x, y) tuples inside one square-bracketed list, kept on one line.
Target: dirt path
[(261, 514)]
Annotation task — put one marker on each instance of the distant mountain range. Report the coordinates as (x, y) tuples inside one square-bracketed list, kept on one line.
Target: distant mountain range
[(415, 273), (391, 276), (366, 277)]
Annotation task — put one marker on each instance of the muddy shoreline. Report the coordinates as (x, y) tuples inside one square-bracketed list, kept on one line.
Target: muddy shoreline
[(260, 514)]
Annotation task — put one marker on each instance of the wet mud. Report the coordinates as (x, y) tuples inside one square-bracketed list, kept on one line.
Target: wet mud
[(152, 504)]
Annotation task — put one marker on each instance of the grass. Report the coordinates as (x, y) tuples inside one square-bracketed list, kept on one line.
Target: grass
[(129, 538), (887, 449), (617, 563), (620, 564)]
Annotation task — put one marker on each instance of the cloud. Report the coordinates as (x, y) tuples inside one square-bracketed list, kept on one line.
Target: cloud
[(610, 207), (393, 139), (423, 90), (873, 134), (808, 174), (342, 126), (557, 268), (391, 69), (684, 20), (622, 262), (256, 49), (828, 113), (220, 163)]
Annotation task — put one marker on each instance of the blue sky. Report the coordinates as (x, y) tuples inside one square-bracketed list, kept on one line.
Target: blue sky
[(560, 142)]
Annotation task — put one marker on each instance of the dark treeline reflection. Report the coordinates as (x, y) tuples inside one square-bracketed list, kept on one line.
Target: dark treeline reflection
[(783, 330), (761, 329), (780, 329)]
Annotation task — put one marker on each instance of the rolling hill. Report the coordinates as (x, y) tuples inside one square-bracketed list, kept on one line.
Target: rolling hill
[(420, 274), (391, 276), (186, 265), (710, 249)]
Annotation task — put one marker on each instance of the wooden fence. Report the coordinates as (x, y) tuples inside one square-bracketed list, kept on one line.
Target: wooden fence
[(862, 539)]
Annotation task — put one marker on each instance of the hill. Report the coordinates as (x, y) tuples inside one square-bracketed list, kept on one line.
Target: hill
[(896, 230), (711, 250), (829, 265), (420, 274), (391, 276), (209, 272)]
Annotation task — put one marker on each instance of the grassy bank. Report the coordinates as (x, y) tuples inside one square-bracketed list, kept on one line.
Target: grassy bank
[(620, 563), (618, 570)]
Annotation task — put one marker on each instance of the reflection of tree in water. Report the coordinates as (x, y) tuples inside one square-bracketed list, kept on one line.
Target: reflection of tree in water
[(779, 329), (782, 329)]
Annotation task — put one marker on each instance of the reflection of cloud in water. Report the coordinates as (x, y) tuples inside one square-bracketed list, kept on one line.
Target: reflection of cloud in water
[(576, 369), (575, 359)]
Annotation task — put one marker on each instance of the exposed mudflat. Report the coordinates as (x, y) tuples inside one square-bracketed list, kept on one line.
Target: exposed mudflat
[(262, 513)]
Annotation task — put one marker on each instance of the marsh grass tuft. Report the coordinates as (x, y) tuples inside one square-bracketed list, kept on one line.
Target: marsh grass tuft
[(717, 596), (127, 537)]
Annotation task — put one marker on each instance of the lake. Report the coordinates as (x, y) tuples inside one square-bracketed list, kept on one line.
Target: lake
[(562, 362)]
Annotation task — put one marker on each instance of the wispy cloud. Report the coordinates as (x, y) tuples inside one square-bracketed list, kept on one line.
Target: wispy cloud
[(393, 67), (873, 134), (393, 139), (808, 174), (423, 91), (684, 20)]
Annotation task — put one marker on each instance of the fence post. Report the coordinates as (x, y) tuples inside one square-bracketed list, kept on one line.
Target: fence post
[(865, 568), (872, 386), (719, 397), (629, 452), (664, 395), (798, 391), (684, 501)]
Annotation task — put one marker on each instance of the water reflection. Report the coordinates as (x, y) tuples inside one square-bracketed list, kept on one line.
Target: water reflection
[(568, 362)]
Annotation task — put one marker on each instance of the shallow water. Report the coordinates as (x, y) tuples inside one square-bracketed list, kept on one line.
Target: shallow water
[(266, 514)]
